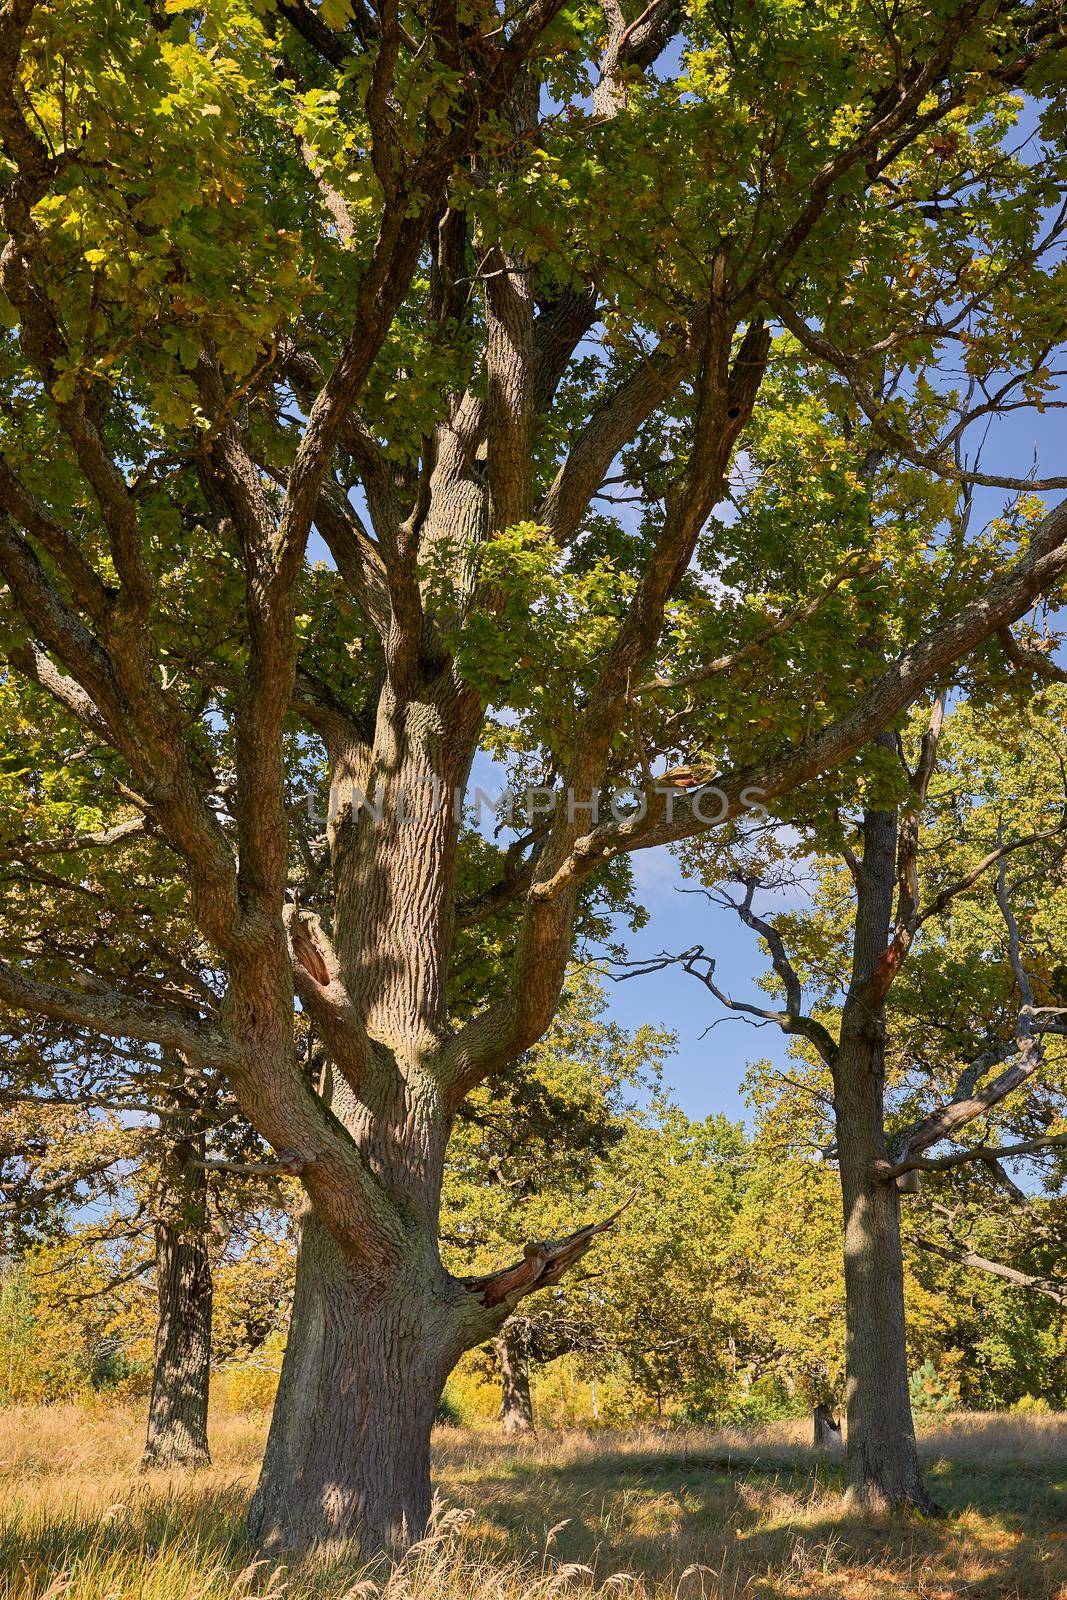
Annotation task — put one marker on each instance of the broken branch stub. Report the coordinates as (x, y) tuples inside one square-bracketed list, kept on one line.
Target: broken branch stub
[(544, 1263)]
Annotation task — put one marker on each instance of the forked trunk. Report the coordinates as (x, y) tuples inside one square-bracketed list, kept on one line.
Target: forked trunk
[(377, 1323), (181, 1372), (516, 1406), (348, 1454), (377, 1326)]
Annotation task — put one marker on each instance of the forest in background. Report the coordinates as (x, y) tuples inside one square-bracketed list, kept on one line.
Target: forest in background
[(717, 1298)]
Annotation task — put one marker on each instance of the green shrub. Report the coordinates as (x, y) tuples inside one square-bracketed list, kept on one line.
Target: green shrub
[(1032, 1403), (447, 1413), (931, 1392)]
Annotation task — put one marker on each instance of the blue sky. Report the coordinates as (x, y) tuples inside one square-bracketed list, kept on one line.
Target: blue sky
[(707, 1070)]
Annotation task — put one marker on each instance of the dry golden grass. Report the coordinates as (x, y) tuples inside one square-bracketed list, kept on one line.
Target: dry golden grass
[(648, 1515)]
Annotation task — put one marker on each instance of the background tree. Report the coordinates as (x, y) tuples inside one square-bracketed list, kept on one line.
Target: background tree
[(659, 1300), (781, 1270), (987, 1340), (126, 1130), (136, 1161), (991, 1067), (587, 1125)]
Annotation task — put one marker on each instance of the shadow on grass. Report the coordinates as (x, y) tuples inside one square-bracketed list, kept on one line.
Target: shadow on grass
[(755, 1516)]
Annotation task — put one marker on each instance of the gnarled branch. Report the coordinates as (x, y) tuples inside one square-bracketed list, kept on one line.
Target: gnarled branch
[(543, 1264)]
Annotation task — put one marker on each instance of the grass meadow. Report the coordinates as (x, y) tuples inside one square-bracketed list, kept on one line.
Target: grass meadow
[(645, 1514)]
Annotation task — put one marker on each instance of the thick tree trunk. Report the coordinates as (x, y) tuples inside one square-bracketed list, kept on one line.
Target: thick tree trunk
[(377, 1323), (377, 1327), (516, 1406), (883, 1465), (181, 1373), (348, 1454)]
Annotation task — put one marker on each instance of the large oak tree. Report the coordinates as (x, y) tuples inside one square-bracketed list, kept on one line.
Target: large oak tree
[(438, 286)]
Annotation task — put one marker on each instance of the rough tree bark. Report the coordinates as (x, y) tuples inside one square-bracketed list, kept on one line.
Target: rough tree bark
[(516, 1404), (348, 1454), (181, 1371), (349, 1444), (883, 1464), (377, 1322)]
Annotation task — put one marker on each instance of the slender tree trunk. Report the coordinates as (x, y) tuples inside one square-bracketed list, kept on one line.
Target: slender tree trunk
[(883, 1465), (181, 1373), (516, 1405), (348, 1454)]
